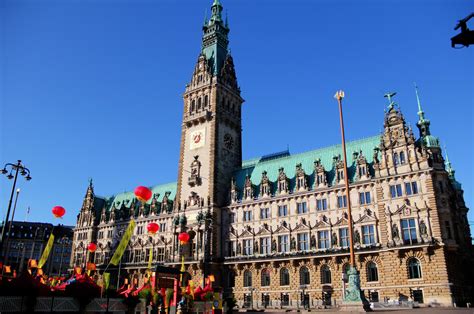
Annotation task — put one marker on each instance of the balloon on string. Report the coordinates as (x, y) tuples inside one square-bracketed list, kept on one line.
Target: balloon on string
[(143, 193), (183, 237), (153, 228), (92, 247), (58, 211)]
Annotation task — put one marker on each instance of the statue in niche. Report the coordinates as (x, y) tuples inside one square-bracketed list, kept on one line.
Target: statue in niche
[(313, 241), (395, 232), (239, 248), (195, 178), (357, 237), (274, 245), (423, 229), (293, 243), (256, 250), (334, 239)]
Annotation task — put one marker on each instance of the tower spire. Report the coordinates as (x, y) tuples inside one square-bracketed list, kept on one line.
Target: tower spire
[(421, 114), (449, 167)]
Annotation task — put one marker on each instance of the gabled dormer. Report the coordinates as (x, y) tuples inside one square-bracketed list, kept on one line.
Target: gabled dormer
[(265, 186), (320, 178), (283, 182), (301, 179), (362, 167), (248, 188)]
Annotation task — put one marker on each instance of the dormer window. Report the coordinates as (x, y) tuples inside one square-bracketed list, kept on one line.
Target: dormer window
[(362, 171), (396, 161), (402, 158), (340, 175)]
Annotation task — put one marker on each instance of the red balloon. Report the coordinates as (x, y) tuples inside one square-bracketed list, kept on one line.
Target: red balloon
[(92, 247), (143, 193), (58, 211), (183, 237), (152, 228)]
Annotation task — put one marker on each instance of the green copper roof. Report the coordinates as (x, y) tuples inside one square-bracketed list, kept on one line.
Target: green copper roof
[(255, 167), (214, 39)]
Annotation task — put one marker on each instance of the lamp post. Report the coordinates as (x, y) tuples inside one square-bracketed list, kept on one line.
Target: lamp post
[(353, 298), (17, 168)]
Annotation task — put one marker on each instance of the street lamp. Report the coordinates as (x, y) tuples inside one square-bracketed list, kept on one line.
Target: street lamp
[(17, 168), (352, 296)]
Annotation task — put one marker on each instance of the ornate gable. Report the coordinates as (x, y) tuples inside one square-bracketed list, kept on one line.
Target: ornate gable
[(367, 217), (282, 228)]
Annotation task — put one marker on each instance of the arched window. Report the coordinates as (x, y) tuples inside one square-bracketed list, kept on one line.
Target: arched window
[(193, 106), (395, 159), (231, 279), (247, 278), (414, 268), (402, 158), (372, 272), (199, 104), (206, 100), (265, 277), (325, 274), (304, 276), (284, 277)]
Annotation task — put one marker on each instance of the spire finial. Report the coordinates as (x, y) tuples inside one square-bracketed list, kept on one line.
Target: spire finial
[(205, 17), (421, 114), (90, 182), (389, 96)]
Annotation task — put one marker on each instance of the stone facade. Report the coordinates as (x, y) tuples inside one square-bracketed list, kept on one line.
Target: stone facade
[(273, 230)]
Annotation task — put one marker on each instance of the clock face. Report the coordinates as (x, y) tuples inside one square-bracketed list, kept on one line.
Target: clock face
[(228, 141)]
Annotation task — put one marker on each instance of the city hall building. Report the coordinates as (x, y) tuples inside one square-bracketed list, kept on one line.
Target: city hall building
[(273, 230)]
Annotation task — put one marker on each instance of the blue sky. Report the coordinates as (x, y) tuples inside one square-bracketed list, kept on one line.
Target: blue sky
[(93, 88)]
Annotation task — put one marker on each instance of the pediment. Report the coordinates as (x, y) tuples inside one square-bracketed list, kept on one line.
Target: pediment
[(323, 222), (282, 228), (246, 233), (301, 226), (368, 216), (341, 222), (405, 210), (264, 230)]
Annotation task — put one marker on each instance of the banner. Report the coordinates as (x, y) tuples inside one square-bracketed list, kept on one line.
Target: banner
[(123, 244), (46, 251), (150, 258), (106, 278)]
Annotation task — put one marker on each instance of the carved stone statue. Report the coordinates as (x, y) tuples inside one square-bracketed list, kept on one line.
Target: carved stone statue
[(256, 250), (357, 237), (239, 248), (395, 232), (293, 243), (313, 242), (195, 178), (423, 229), (274, 245), (334, 239)]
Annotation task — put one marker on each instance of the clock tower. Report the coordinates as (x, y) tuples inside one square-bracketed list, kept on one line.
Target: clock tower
[(211, 141)]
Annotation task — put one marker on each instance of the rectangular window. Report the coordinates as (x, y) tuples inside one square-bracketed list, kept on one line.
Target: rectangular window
[(321, 204), (323, 239), (341, 201), (344, 237), (161, 254), (285, 300), (232, 218), (414, 187), (364, 198), (448, 230), (409, 231), (303, 244), (264, 213), (247, 215), (396, 190), (368, 234), (282, 210), (162, 227), (265, 246), (248, 249), (301, 208), (283, 244)]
